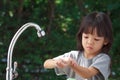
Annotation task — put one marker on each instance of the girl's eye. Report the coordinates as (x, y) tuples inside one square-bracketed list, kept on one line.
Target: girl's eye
[(86, 37), (96, 39)]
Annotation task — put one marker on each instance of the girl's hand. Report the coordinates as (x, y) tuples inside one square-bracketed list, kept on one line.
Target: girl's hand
[(65, 62), (61, 63)]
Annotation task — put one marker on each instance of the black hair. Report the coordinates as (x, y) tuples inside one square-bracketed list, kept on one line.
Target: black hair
[(102, 23)]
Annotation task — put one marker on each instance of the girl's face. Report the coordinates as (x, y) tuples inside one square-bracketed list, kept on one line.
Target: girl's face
[(92, 43)]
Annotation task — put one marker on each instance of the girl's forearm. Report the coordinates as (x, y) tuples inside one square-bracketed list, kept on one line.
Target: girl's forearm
[(49, 64), (84, 72)]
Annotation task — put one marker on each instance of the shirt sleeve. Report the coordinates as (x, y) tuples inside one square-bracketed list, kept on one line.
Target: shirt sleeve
[(65, 71), (61, 71), (102, 63)]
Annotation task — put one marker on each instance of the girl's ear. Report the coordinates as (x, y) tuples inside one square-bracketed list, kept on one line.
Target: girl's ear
[(106, 42)]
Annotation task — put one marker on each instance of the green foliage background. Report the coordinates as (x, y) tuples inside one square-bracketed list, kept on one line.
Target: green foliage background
[(60, 19)]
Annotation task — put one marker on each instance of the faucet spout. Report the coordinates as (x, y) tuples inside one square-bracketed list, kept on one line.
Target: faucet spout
[(40, 33)]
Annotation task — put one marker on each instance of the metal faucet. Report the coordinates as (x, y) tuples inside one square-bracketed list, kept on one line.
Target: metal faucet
[(9, 70)]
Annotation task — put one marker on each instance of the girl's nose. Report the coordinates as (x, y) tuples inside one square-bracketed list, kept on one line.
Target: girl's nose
[(90, 41)]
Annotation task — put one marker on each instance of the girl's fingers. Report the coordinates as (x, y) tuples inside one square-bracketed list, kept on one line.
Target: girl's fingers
[(61, 63)]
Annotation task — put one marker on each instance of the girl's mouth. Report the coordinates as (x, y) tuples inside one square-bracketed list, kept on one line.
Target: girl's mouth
[(89, 47)]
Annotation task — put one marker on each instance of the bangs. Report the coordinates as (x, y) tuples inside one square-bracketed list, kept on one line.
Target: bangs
[(91, 30)]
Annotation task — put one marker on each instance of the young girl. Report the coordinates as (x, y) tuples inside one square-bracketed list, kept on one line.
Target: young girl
[(91, 60)]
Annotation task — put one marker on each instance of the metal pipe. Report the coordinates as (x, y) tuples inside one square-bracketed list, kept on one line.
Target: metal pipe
[(40, 33)]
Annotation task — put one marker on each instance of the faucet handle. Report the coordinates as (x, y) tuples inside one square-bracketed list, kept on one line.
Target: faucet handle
[(15, 73), (15, 66)]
